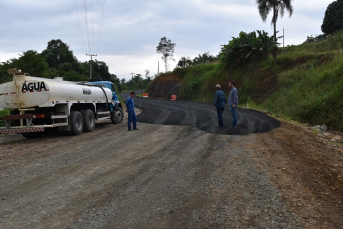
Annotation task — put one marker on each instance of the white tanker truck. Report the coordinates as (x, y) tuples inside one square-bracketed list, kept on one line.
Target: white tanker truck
[(45, 105)]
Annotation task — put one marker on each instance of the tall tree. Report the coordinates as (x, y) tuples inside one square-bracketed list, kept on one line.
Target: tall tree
[(57, 52), (166, 48), (333, 19), (277, 7)]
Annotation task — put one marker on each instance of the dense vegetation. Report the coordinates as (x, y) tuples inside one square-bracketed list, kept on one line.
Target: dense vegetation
[(204, 58), (306, 85), (56, 61), (136, 82), (247, 48)]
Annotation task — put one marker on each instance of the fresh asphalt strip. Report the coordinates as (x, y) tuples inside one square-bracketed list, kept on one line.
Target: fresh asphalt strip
[(202, 116)]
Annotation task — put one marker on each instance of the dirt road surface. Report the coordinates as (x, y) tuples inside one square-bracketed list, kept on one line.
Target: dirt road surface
[(170, 176)]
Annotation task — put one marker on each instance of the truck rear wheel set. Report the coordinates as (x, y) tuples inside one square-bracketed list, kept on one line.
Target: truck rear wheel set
[(76, 123), (84, 121), (88, 120)]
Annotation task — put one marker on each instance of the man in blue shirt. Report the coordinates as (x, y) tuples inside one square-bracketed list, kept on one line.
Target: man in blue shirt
[(233, 102), (130, 106), (219, 105)]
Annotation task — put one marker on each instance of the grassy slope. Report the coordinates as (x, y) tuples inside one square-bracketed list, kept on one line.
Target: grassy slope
[(307, 84)]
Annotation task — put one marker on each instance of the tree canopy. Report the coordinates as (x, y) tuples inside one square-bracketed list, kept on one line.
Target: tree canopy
[(58, 53), (136, 82), (29, 62), (204, 58), (333, 19), (56, 61)]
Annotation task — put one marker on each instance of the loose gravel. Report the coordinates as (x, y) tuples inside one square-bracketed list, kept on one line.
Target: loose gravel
[(170, 176)]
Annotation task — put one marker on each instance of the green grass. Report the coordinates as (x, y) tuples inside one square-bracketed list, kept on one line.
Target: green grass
[(311, 95)]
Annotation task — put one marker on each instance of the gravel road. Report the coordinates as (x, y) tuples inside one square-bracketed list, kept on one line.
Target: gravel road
[(171, 176)]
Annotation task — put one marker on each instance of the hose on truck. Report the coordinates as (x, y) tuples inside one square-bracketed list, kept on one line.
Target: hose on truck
[(104, 93)]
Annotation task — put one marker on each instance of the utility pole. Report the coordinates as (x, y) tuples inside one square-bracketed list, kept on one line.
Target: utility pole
[(90, 64), (132, 74)]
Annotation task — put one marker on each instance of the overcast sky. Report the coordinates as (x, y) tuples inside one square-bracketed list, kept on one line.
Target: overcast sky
[(125, 33)]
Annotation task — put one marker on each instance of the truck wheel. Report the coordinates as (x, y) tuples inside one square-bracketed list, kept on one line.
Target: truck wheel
[(88, 120), (117, 116), (76, 123)]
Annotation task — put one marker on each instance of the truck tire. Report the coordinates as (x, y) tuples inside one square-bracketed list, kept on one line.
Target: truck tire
[(76, 123), (88, 120), (117, 116)]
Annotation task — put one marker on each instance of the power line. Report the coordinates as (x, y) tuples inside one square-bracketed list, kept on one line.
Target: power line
[(92, 39), (83, 43), (85, 8), (90, 31), (102, 17)]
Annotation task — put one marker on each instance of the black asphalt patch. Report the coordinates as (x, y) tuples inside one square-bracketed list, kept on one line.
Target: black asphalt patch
[(202, 116)]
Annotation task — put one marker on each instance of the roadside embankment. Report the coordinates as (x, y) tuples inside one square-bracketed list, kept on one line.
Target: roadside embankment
[(306, 85)]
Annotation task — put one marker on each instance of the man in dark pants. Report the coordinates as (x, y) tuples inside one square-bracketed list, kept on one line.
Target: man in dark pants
[(130, 106), (219, 105), (233, 102)]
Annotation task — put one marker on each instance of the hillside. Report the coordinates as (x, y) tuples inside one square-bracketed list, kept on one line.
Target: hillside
[(306, 85)]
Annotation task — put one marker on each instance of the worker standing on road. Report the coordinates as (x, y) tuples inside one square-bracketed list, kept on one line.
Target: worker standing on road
[(130, 106), (219, 105), (233, 102)]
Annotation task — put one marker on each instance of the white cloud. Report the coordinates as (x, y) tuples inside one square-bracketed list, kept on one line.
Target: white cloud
[(5, 56)]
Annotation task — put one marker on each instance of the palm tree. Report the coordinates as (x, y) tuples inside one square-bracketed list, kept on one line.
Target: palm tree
[(278, 7)]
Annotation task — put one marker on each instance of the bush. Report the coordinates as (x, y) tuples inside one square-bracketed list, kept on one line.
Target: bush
[(3, 113)]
